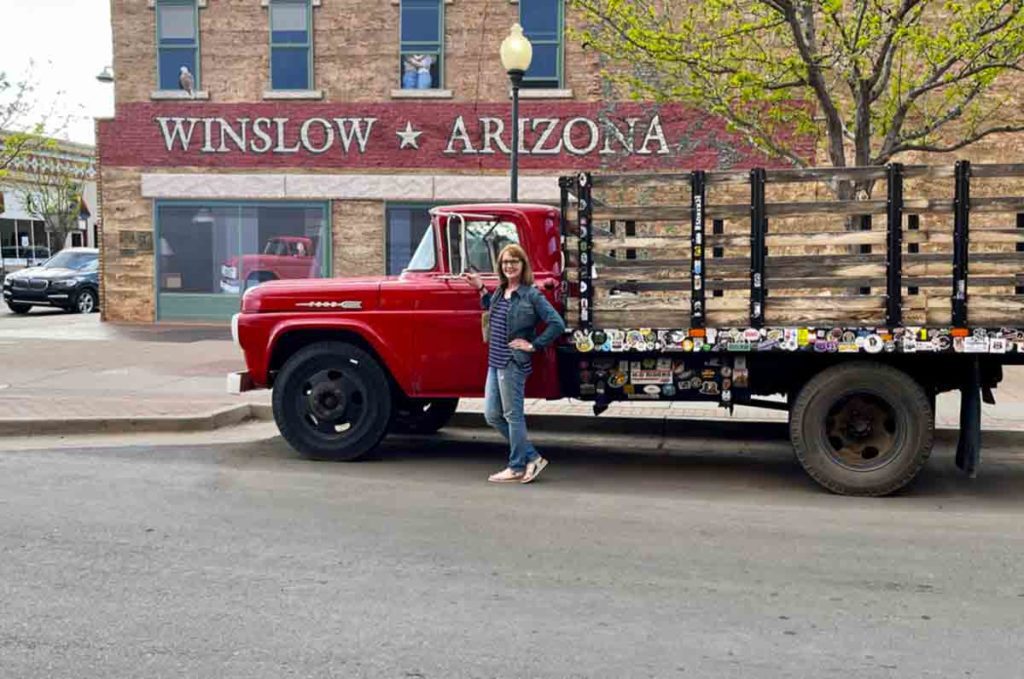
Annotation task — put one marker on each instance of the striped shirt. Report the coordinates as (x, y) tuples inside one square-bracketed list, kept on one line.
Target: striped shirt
[(498, 353)]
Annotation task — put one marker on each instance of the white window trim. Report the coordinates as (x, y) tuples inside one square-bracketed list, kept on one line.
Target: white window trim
[(543, 93), (158, 95), (293, 94), (421, 94), (201, 4), (396, 3), (266, 3)]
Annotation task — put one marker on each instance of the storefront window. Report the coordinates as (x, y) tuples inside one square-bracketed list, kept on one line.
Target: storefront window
[(219, 250)]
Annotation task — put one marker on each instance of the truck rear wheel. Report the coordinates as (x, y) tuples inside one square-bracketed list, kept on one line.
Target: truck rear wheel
[(423, 415), (332, 401), (862, 428)]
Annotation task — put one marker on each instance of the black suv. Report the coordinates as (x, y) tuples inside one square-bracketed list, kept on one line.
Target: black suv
[(69, 280)]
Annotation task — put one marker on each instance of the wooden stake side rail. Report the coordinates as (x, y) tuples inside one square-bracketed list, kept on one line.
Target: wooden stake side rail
[(917, 272)]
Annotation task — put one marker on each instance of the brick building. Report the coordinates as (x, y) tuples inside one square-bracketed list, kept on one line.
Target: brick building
[(317, 132)]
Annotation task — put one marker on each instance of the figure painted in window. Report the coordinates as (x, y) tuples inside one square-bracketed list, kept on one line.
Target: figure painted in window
[(424, 81), (410, 66)]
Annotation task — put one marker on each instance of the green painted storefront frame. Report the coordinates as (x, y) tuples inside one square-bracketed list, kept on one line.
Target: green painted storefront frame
[(207, 307)]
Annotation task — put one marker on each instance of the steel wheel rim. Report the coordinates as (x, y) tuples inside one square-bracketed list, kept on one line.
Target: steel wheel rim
[(862, 432), (85, 302), (333, 403)]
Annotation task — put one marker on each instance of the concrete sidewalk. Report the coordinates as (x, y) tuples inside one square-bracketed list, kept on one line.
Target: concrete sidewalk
[(71, 374)]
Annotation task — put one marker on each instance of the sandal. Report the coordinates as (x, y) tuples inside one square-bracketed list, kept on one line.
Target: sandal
[(506, 475)]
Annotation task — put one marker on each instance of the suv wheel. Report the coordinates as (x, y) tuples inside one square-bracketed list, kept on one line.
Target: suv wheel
[(86, 302), (19, 308)]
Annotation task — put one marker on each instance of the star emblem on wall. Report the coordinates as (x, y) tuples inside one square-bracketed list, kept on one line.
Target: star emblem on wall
[(408, 136)]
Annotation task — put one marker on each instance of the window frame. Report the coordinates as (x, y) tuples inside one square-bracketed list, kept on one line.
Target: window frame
[(308, 45), (535, 82), (402, 51), (196, 47)]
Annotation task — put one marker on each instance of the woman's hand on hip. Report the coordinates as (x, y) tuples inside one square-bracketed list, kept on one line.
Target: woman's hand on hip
[(521, 345)]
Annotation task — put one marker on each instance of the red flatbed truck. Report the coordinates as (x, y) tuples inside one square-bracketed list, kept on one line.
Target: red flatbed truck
[(857, 312)]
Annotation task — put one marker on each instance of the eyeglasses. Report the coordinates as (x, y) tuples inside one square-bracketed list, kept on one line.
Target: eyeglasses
[(507, 262)]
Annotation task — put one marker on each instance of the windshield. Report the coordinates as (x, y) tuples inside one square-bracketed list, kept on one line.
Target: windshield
[(424, 257), (69, 260)]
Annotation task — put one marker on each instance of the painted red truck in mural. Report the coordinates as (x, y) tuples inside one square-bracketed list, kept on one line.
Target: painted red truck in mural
[(283, 257), (836, 313)]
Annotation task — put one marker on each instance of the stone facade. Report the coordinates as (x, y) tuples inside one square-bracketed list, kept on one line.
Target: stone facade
[(356, 77)]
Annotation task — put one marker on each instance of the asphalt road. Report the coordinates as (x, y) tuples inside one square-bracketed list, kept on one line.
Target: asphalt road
[(241, 560)]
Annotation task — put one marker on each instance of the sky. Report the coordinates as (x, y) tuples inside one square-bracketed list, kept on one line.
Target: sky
[(69, 42)]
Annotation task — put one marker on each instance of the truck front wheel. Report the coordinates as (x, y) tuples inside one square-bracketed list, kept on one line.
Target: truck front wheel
[(332, 401), (862, 428)]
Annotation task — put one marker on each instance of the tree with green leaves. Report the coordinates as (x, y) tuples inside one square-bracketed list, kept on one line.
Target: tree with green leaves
[(877, 77), (51, 191)]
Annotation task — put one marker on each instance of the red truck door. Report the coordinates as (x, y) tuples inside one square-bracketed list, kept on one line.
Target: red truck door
[(449, 346)]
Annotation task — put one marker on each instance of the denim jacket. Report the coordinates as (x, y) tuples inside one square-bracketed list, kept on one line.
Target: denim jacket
[(527, 307)]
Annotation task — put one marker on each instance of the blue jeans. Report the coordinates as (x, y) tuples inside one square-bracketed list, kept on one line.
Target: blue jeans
[(503, 410)]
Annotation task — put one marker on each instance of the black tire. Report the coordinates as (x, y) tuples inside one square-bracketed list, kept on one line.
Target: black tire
[(86, 302), (332, 401), (19, 308), (422, 415), (862, 428)]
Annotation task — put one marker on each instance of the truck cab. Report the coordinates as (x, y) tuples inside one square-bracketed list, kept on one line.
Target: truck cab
[(349, 358)]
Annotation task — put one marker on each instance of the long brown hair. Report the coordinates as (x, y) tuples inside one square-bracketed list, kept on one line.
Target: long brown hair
[(526, 278)]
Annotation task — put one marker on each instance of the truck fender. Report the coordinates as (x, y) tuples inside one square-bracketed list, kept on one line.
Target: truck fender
[(390, 359)]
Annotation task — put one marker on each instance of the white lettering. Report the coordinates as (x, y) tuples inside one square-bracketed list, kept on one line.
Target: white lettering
[(567, 136), (460, 134), (226, 130), (258, 130), (493, 129), (538, 148), (624, 138), (654, 132), (208, 140), (281, 148), (328, 135), (354, 130), (177, 132)]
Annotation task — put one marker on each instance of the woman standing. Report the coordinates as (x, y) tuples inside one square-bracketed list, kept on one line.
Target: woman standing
[(516, 309)]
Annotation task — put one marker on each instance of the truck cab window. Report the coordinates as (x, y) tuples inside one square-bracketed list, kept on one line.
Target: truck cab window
[(484, 240)]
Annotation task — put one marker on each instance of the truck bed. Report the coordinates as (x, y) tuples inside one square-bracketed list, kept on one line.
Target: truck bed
[(919, 258)]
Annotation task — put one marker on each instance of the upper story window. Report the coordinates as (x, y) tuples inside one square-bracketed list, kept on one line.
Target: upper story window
[(422, 44), (291, 45), (177, 31), (542, 24)]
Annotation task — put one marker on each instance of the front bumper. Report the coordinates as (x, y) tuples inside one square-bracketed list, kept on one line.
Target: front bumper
[(37, 298)]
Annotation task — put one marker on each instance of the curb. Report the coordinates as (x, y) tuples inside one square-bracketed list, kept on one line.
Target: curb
[(225, 417)]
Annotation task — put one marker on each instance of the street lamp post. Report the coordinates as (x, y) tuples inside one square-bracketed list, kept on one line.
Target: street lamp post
[(516, 54)]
